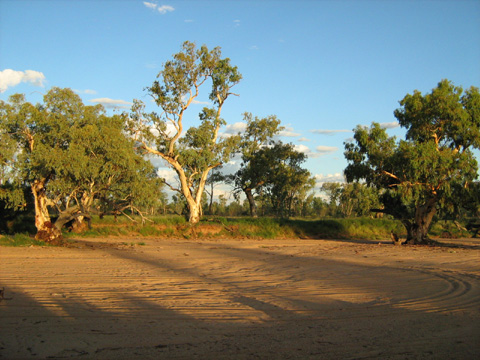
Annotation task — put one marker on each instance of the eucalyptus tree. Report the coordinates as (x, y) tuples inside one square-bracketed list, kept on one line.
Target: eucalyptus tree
[(108, 175), (253, 171), (40, 136), (68, 154), (193, 153), (427, 174), (351, 199), (287, 182)]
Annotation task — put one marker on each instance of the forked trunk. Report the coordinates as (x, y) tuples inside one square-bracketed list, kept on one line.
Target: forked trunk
[(45, 229), (251, 202)]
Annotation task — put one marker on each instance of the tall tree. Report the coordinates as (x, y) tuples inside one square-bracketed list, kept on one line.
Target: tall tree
[(422, 176), (69, 154), (287, 181), (252, 174), (192, 154), (108, 175)]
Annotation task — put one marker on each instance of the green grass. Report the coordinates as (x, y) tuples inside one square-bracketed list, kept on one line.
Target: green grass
[(176, 227), (449, 229), (19, 240)]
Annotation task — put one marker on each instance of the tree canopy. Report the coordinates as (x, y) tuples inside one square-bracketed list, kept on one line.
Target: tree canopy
[(70, 155), (427, 173), (254, 173), (194, 152)]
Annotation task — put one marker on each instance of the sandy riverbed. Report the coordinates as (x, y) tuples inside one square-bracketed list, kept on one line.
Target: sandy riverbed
[(240, 299)]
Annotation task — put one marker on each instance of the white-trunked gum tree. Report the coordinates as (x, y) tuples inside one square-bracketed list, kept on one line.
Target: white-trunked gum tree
[(193, 153)]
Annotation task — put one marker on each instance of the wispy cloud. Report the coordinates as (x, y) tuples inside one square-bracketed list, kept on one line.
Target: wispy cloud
[(326, 149), (198, 102), (328, 132), (234, 129), (162, 9), (306, 150), (10, 78), (303, 139), (236, 23), (112, 103), (151, 65), (320, 179), (390, 125), (254, 47), (86, 91), (288, 132), (150, 5)]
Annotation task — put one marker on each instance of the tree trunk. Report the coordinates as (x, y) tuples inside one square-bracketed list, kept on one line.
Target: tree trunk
[(194, 212), (210, 203), (251, 202), (74, 214), (417, 231), (45, 229)]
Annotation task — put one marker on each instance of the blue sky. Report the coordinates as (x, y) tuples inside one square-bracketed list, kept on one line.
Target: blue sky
[(322, 67)]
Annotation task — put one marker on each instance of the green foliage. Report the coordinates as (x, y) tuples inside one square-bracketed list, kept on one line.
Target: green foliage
[(74, 158), (351, 199), (253, 172), (288, 182), (427, 174), (193, 153)]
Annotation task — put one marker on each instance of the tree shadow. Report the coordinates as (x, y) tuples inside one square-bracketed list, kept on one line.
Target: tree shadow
[(256, 310)]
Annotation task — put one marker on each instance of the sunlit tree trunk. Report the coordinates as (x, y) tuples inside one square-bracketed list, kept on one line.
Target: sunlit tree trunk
[(45, 229)]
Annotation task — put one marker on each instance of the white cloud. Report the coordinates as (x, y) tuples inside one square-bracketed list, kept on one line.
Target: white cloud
[(234, 129), (288, 132), (150, 5), (162, 9), (328, 132), (303, 149), (390, 125), (86, 91), (112, 103), (326, 149), (321, 178), (306, 150), (165, 8), (303, 139), (168, 175), (198, 102), (11, 78), (237, 23)]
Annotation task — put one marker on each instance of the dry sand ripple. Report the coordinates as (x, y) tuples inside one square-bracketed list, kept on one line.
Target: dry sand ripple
[(240, 299)]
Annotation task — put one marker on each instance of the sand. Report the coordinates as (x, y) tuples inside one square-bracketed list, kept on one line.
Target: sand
[(240, 299)]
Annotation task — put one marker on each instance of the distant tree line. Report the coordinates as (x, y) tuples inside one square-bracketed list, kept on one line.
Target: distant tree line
[(65, 161)]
